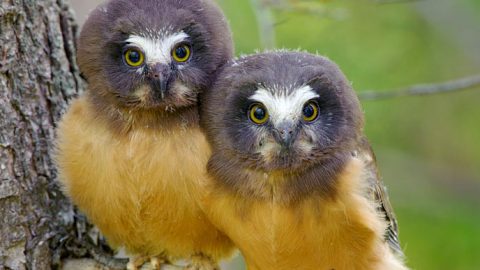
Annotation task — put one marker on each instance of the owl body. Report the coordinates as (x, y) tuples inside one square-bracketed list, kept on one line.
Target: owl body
[(318, 232), (130, 152), (292, 179), (139, 187)]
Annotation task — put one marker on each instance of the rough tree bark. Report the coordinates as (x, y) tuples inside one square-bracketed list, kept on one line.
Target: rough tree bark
[(38, 76)]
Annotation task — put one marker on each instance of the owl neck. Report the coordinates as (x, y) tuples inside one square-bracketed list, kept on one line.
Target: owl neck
[(124, 120), (284, 187)]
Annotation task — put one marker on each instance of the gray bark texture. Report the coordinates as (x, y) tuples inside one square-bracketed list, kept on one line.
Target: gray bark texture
[(38, 76)]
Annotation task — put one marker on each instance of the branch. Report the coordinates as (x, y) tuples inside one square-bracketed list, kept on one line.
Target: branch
[(265, 23), (311, 8), (265, 18), (395, 1), (424, 89), (105, 259)]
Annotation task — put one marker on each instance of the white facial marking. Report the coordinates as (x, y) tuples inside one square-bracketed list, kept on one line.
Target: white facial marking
[(282, 106), (157, 50)]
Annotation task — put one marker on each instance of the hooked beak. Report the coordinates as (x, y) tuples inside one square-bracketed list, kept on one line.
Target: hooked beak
[(160, 76), (285, 134)]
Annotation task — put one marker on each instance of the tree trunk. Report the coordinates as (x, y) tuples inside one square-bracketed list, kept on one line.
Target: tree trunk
[(38, 76)]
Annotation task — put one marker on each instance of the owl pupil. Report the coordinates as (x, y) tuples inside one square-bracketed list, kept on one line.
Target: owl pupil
[(181, 52), (259, 113), (308, 111), (134, 56)]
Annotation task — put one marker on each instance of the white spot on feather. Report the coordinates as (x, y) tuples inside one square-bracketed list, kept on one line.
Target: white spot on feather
[(157, 50), (282, 105)]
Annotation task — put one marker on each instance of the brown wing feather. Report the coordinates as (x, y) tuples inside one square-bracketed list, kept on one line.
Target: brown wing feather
[(378, 192)]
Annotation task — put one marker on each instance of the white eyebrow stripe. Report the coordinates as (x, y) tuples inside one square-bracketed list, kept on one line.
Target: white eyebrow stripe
[(157, 50), (282, 106)]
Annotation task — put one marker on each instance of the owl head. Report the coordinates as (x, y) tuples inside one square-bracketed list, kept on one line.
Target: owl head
[(281, 111), (153, 54)]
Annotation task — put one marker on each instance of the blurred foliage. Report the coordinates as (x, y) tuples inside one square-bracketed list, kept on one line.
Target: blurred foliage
[(428, 147)]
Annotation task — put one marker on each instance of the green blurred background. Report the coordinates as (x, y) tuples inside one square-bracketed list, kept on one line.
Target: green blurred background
[(428, 148)]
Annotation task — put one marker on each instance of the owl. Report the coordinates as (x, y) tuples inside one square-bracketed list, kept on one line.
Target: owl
[(130, 152), (292, 179)]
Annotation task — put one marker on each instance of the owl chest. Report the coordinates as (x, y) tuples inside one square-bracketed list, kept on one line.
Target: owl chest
[(148, 166), (137, 189), (307, 236), (272, 237)]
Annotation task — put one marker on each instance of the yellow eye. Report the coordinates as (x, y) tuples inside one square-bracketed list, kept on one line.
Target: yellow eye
[(181, 53), (310, 111), (134, 57), (258, 114)]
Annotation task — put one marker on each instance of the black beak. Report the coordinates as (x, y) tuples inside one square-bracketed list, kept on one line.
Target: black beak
[(285, 134), (160, 76)]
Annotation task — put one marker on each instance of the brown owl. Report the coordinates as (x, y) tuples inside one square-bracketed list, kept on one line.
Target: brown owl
[(130, 150), (292, 179)]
